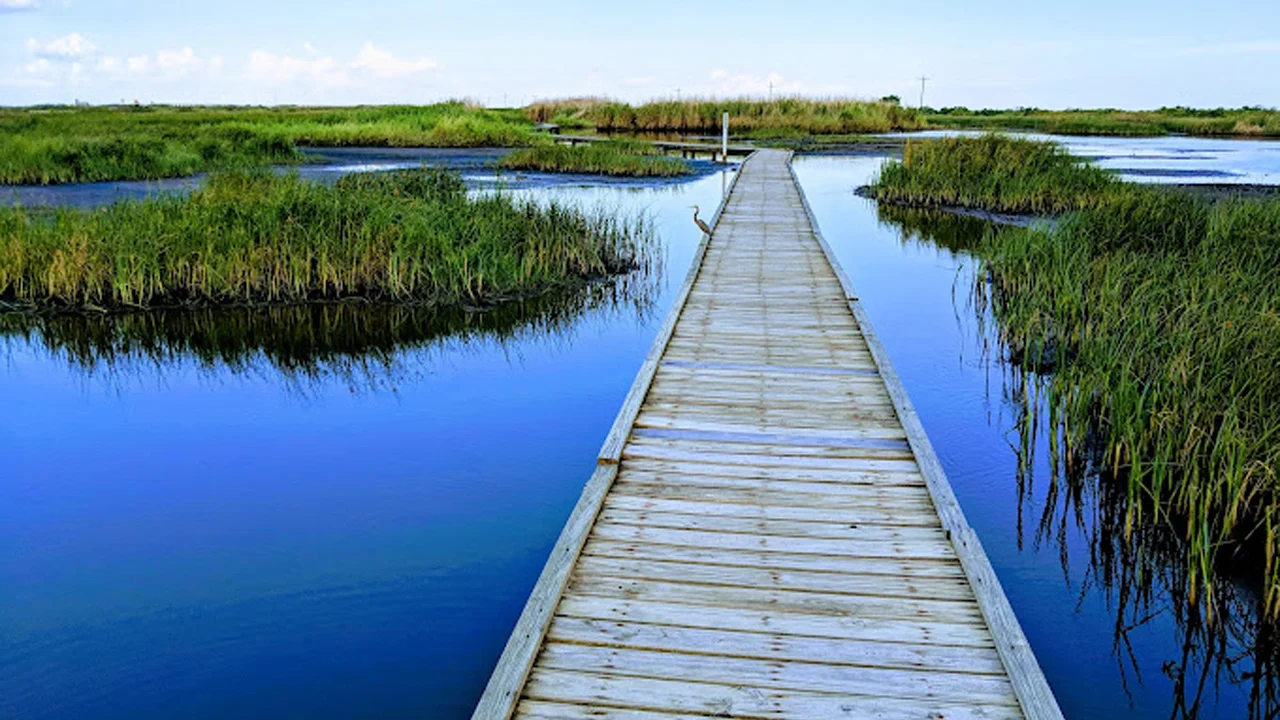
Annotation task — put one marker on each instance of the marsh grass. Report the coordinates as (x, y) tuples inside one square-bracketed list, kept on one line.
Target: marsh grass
[(746, 115), (1158, 313), (993, 172), (58, 145), (258, 237), (629, 158)]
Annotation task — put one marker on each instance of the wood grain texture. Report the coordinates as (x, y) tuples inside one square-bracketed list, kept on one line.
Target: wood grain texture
[(769, 534)]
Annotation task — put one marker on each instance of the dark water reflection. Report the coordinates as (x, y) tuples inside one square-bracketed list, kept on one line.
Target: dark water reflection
[(365, 344), (1222, 663)]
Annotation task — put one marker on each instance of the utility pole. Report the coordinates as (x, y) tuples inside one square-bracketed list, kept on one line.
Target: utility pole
[(770, 91), (922, 82)]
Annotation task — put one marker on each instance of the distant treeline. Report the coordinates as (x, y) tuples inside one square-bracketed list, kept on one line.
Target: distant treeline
[(1245, 121), (816, 116), (62, 144)]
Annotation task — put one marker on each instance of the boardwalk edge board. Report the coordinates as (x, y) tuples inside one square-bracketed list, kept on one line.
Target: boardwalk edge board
[(1033, 691), (502, 693)]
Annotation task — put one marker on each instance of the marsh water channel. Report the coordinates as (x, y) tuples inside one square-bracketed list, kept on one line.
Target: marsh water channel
[(339, 510)]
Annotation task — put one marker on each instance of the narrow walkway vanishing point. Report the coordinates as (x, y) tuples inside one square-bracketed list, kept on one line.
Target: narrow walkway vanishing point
[(769, 533)]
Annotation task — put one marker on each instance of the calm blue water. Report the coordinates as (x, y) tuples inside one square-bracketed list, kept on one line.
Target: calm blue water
[(195, 533)]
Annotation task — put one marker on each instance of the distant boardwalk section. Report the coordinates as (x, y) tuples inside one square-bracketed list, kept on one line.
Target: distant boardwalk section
[(768, 533)]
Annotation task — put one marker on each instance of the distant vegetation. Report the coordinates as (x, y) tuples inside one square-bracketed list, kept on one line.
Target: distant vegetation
[(257, 237), (813, 116), (60, 144), (632, 158), (1158, 312), (1248, 122)]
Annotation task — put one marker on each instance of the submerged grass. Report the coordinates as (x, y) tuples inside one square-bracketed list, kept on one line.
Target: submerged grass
[(615, 157), (257, 237), (58, 145), (1247, 121), (746, 115), (1159, 315)]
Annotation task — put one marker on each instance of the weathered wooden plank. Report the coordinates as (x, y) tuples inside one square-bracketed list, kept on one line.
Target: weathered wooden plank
[(679, 469), (852, 464), (861, 606), (769, 497), (912, 490), (735, 701), (911, 632), (760, 526), (803, 675), (777, 646), (802, 580), (869, 516)]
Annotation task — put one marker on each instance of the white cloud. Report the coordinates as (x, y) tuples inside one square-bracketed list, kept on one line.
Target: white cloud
[(67, 47), (727, 83), (322, 70), (178, 62), (18, 5), (383, 64), (267, 67)]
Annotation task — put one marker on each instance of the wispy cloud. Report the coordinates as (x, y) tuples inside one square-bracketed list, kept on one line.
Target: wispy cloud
[(724, 82), (7, 6), (323, 70), (67, 47)]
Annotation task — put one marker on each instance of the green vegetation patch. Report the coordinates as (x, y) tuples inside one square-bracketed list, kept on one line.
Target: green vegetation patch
[(993, 172), (796, 115), (257, 237), (618, 157), (58, 145), (1158, 312), (1247, 121)]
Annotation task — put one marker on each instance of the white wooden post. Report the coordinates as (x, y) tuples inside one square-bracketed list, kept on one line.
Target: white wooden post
[(724, 139)]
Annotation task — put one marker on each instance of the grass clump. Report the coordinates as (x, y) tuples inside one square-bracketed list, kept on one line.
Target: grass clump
[(1160, 314), (616, 157), (993, 172), (746, 115), (257, 237), (1156, 313), (1246, 121), (57, 145)]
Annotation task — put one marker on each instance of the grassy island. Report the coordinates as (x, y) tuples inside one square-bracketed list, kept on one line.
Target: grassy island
[(60, 144), (630, 158), (258, 237)]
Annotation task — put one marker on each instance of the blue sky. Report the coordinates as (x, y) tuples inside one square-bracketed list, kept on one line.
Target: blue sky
[(1085, 54)]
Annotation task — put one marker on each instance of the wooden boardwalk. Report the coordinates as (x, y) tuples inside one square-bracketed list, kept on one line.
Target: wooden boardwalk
[(768, 533)]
